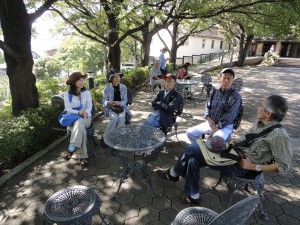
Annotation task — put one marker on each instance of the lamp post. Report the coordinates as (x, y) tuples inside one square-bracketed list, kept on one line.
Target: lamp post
[(91, 79)]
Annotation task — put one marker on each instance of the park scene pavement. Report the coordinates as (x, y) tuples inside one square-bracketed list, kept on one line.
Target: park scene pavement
[(22, 198)]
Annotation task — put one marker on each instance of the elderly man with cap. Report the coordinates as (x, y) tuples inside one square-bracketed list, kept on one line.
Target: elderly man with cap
[(114, 101), (78, 100), (266, 148), (221, 110), (164, 105)]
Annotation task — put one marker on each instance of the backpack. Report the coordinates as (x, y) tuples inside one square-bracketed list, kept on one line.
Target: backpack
[(238, 118)]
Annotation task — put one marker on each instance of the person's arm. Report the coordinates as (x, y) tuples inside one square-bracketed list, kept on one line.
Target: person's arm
[(155, 103), (87, 98), (172, 105), (105, 99), (281, 150), (248, 165)]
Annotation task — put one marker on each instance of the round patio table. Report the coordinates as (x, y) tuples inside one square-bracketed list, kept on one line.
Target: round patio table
[(135, 139)]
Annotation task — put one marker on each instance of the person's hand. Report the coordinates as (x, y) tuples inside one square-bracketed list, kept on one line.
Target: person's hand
[(83, 113), (115, 103), (158, 102), (247, 164), (211, 123), (213, 130)]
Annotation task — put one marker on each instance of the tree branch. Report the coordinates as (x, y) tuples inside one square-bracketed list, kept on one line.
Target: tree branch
[(7, 50), (41, 10), (94, 38)]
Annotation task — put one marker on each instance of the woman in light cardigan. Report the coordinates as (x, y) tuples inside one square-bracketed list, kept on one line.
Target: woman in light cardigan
[(77, 97), (115, 94)]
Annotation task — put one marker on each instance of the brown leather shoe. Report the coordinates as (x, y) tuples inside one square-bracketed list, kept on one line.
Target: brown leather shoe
[(187, 200), (165, 174)]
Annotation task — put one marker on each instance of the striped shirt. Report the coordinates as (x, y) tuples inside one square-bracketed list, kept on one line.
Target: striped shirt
[(223, 112), (275, 146)]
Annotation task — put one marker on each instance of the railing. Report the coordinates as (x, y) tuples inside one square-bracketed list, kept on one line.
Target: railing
[(203, 58)]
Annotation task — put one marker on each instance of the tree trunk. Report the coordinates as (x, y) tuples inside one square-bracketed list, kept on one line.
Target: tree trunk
[(146, 42), (16, 29), (244, 48), (114, 52), (174, 47)]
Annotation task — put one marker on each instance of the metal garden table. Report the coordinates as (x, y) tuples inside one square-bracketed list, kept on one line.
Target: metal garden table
[(136, 139)]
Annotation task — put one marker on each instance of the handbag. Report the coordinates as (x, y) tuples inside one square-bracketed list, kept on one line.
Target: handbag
[(215, 159), (67, 119), (117, 109)]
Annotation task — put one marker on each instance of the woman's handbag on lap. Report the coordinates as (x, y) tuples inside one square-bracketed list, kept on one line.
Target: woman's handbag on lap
[(117, 109)]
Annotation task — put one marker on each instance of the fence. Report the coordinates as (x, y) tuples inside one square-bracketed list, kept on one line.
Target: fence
[(203, 58)]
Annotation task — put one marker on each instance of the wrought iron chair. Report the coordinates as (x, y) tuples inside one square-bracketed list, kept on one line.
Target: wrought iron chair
[(255, 179), (236, 214), (206, 81), (237, 84), (129, 102), (176, 113)]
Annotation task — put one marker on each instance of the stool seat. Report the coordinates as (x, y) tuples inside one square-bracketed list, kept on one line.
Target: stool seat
[(72, 205)]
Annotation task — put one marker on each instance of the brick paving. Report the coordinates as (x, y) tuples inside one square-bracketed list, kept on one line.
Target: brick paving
[(23, 197)]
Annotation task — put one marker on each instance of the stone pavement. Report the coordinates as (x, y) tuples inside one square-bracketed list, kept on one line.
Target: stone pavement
[(23, 197)]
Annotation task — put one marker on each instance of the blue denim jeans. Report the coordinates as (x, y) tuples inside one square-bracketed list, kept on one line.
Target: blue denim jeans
[(153, 120), (189, 165)]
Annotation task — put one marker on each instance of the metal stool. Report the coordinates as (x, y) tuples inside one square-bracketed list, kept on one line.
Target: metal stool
[(72, 205)]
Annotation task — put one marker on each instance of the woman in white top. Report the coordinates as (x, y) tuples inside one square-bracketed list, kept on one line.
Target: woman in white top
[(78, 100)]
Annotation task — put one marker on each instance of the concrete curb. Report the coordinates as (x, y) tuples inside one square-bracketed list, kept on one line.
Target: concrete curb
[(35, 157)]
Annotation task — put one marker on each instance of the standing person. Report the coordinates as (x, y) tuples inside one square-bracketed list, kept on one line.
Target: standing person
[(155, 75), (269, 153), (163, 61), (164, 105), (114, 101), (183, 72), (78, 96), (221, 110)]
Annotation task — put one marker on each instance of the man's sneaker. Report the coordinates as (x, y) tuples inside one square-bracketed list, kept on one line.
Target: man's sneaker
[(187, 200), (165, 174)]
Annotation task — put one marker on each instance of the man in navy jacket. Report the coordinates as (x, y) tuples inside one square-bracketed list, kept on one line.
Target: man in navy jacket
[(164, 105)]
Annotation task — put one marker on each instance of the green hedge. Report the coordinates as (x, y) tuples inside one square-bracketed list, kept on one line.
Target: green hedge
[(22, 136)]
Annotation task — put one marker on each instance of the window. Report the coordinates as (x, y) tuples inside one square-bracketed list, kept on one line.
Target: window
[(221, 44), (203, 43), (212, 43)]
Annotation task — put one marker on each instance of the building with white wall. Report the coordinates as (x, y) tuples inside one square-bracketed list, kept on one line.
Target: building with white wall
[(206, 42)]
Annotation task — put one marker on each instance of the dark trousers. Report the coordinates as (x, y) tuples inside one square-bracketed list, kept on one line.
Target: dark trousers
[(189, 165)]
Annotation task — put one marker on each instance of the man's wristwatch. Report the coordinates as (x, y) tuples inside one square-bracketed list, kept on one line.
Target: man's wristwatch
[(258, 168)]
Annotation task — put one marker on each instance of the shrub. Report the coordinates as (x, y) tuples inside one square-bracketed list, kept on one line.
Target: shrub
[(22, 136)]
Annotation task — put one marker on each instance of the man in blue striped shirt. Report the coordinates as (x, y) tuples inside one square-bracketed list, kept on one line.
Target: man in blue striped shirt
[(221, 110)]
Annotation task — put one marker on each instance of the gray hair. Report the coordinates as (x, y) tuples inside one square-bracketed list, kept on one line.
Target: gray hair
[(277, 105)]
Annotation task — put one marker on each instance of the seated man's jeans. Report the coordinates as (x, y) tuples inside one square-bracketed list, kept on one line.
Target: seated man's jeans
[(189, 165), (153, 119)]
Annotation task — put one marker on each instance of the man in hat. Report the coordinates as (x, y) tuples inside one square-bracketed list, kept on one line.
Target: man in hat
[(221, 110), (271, 152), (164, 104)]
